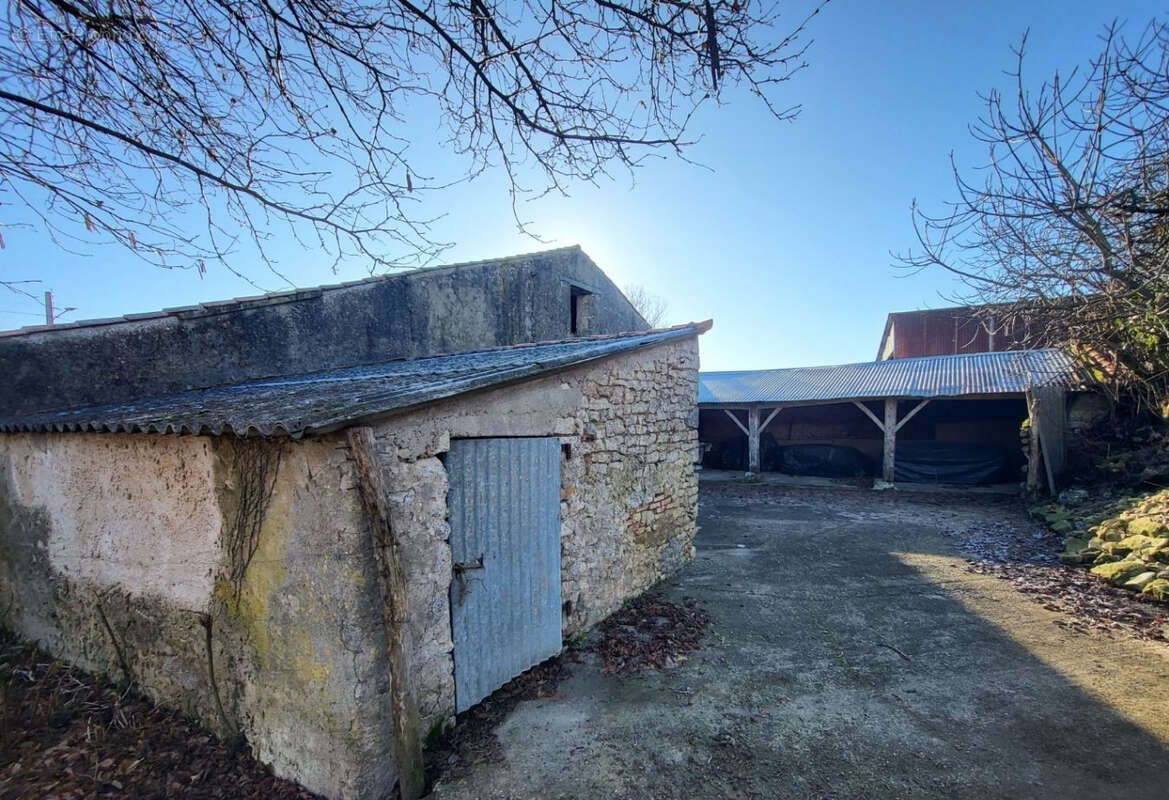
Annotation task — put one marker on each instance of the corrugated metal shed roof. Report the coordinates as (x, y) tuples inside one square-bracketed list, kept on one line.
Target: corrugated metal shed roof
[(1009, 372), (319, 401)]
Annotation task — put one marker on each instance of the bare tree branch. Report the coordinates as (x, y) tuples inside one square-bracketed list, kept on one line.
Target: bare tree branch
[(652, 307), (1065, 231), (213, 131)]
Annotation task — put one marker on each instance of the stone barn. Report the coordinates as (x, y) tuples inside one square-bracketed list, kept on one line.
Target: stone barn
[(333, 564)]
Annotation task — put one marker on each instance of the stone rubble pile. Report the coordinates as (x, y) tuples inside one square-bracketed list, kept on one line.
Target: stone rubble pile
[(1125, 543)]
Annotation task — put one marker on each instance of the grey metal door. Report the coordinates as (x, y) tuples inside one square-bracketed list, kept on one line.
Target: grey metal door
[(505, 547)]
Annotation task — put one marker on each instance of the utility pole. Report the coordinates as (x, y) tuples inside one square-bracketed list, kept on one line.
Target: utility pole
[(51, 312)]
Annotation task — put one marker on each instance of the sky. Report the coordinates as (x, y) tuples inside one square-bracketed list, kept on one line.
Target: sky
[(783, 238)]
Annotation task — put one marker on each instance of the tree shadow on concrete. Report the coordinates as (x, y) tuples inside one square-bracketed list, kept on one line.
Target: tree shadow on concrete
[(885, 668)]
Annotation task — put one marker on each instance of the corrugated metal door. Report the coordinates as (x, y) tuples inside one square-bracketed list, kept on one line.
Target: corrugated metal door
[(505, 547)]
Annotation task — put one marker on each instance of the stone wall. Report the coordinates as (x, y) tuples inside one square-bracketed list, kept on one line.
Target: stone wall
[(115, 550), (425, 312), (628, 489)]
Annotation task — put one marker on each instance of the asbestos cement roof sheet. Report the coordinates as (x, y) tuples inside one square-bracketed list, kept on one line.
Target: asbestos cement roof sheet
[(302, 404), (1001, 373)]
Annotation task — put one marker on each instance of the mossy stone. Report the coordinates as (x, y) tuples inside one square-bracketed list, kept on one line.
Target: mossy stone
[(1145, 526), (1158, 589), (1085, 556), (1117, 572), (1139, 581), (1129, 544), (1110, 526), (1105, 558), (1114, 549)]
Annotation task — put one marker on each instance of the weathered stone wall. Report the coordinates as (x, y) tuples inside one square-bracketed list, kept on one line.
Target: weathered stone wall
[(118, 548), (628, 490), (426, 312)]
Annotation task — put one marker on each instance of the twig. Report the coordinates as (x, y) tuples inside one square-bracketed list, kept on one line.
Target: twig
[(894, 649), (126, 673), (228, 727)]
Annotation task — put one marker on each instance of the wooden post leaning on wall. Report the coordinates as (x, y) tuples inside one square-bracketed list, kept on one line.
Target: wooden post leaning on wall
[(392, 581), (1033, 454)]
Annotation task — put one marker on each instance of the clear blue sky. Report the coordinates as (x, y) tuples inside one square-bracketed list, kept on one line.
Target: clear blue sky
[(785, 243)]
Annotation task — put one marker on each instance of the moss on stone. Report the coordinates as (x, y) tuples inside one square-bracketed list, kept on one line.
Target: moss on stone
[(1135, 543), (1078, 550), (1104, 558), (1117, 572), (1115, 526), (1128, 544), (1139, 581), (1157, 589), (1146, 526), (1115, 550)]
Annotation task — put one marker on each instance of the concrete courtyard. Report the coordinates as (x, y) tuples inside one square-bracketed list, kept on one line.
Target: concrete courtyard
[(850, 654)]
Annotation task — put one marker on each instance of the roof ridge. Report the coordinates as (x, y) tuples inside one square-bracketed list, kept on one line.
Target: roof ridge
[(281, 295), (324, 401), (875, 362), (699, 328), (1004, 372)]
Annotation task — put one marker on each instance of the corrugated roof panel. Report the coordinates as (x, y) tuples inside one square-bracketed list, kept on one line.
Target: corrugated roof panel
[(303, 403), (1009, 372)]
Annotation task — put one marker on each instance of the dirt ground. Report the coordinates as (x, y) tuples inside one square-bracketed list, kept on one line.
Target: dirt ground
[(851, 653)]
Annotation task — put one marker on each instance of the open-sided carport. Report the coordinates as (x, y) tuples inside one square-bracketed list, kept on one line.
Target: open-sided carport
[(971, 398)]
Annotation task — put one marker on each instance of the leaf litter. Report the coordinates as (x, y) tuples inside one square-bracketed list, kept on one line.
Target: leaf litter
[(66, 734), (1027, 556)]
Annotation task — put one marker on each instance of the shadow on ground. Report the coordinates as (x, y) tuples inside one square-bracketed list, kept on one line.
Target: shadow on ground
[(850, 654)]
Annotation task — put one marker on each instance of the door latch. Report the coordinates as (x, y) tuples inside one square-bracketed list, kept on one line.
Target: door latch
[(459, 567)]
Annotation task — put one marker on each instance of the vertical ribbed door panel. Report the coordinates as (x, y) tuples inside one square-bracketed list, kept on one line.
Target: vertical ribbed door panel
[(505, 545)]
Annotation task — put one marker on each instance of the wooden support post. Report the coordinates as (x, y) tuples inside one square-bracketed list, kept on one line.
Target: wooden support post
[(392, 581), (890, 428), (753, 439)]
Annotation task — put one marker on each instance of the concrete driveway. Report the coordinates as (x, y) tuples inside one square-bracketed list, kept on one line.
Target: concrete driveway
[(850, 655)]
